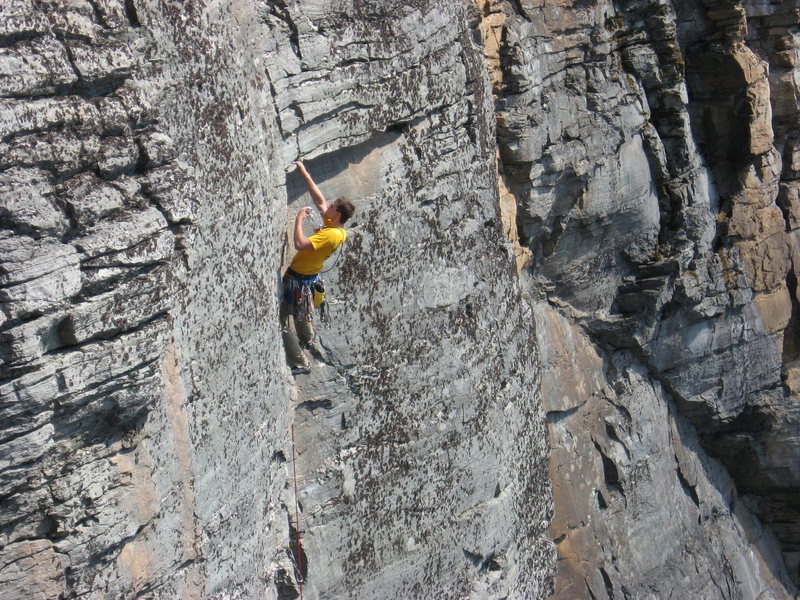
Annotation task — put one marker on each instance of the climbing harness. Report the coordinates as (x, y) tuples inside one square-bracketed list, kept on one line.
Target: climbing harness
[(298, 563), (306, 292), (297, 290)]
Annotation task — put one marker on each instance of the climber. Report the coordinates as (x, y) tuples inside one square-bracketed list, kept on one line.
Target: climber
[(297, 303)]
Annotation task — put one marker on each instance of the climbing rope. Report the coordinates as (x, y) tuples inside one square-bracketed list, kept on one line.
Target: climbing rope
[(299, 561)]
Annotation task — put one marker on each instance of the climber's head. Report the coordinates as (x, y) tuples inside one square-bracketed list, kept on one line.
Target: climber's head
[(339, 211)]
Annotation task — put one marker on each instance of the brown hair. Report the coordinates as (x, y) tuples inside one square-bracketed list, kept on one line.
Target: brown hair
[(345, 208)]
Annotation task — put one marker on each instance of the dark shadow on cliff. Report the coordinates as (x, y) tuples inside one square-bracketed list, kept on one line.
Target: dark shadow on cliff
[(328, 168)]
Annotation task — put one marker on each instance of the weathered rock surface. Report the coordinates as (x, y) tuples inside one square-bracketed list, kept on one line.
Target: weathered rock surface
[(146, 396), (588, 210), (422, 422), (641, 509), (643, 142), (91, 271)]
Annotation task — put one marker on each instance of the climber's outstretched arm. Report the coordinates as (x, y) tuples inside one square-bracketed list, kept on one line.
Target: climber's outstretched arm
[(316, 195)]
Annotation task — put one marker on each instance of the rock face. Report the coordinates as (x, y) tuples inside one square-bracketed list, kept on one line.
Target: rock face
[(148, 405), (114, 283), (574, 246), (646, 144)]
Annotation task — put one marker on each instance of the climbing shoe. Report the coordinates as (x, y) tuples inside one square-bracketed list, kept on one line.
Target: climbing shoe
[(301, 370)]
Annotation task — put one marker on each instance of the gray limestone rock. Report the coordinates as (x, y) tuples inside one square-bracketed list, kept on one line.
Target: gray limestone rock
[(41, 114), (161, 186), (36, 275), (35, 67), (121, 233), (26, 203), (89, 199), (116, 156), (34, 570), (615, 417), (673, 247), (633, 482)]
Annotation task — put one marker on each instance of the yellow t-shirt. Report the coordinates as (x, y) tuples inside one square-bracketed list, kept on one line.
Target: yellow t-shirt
[(325, 242)]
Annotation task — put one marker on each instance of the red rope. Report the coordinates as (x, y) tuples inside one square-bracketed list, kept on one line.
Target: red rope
[(297, 519)]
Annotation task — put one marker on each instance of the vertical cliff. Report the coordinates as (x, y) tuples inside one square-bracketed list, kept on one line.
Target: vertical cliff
[(574, 246), (649, 147), (143, 390), (421, 441), (147, 399)]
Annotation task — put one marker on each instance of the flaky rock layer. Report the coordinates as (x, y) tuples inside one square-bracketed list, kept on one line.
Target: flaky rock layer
[(562, 357)]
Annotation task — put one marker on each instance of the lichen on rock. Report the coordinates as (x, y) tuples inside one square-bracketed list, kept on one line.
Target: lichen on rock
[(562, 360)]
